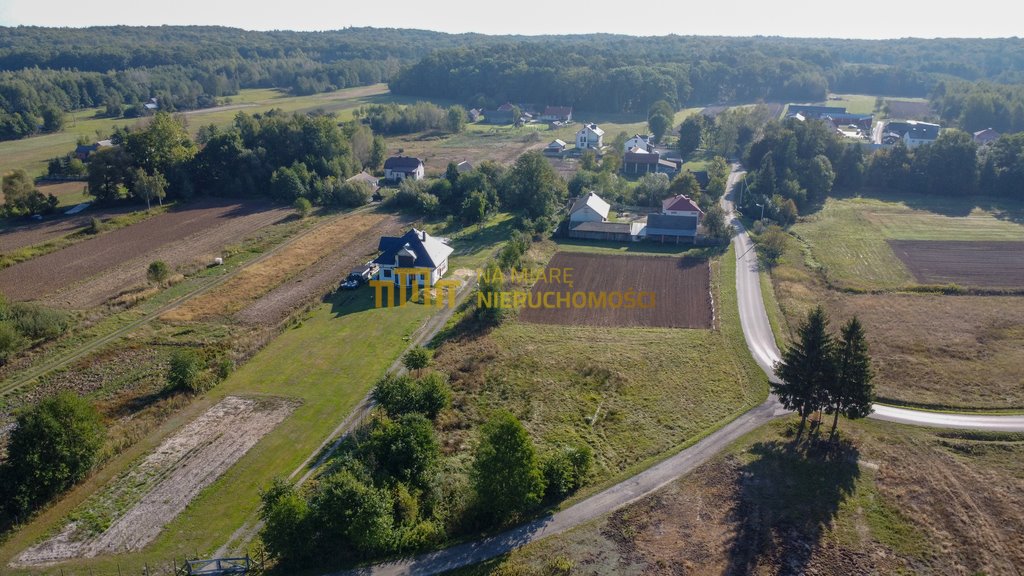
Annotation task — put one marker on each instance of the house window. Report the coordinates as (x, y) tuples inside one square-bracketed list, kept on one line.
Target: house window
[(386, 273)]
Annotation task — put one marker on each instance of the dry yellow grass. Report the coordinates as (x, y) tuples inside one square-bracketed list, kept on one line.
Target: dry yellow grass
[(258, 279)]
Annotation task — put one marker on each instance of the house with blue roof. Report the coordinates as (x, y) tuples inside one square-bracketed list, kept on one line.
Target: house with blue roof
[(414, 249)]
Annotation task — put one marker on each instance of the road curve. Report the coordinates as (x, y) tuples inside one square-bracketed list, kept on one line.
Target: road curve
[(761, 340)]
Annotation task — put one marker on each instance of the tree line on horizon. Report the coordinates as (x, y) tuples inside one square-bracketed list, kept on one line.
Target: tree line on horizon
[(47, 71)]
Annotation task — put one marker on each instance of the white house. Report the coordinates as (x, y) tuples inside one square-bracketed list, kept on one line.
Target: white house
[(415, 249), (590, 137), (920, 133), (588, 208), (402, 167), (641, 141)]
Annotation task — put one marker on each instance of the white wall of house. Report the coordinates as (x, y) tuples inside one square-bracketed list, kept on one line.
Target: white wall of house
[(586, 214), (588, 139), (634, 142), (401, 175), (680, 212)]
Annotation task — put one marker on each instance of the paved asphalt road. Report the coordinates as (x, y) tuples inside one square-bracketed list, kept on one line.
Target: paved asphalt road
[(761, 342)]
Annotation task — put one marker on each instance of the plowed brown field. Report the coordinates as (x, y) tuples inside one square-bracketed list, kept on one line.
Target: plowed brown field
[(979, 264), (680, 287), (88, 273)]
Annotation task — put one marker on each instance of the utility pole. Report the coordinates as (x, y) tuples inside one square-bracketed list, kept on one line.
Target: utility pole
[(762, 210)]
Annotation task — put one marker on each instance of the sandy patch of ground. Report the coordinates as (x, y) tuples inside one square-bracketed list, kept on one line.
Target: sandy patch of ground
[(163, 484), (320, 278)]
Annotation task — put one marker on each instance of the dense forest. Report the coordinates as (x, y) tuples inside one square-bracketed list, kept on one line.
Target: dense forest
[(46, 71), (628, 74)]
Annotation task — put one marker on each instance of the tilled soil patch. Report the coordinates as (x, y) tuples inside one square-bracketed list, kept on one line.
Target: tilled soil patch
[(91, 279), (163, 484), (978, 264), (667, 292)]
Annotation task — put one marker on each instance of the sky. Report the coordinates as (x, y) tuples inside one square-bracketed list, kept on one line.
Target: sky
[(792, 18)]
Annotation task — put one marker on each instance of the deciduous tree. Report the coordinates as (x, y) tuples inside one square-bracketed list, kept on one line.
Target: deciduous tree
[(506, 474)]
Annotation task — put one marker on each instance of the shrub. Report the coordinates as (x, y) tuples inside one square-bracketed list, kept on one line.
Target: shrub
[(10, 341), (186, 371), (416, 359), (566, 470), (302, 206), (399, 395), (37, 322), (158, 272)]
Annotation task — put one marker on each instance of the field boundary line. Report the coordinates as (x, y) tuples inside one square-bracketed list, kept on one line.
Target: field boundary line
[(49, 366)]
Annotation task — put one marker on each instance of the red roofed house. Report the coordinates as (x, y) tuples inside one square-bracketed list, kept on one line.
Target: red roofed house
[(678, 221)]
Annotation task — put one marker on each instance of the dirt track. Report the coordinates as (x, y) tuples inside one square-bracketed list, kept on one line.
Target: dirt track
[(980, 264), (680, 287), (88, 273), (319, 278)]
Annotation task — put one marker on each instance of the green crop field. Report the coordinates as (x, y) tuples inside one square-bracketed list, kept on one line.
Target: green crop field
[(848, 236)]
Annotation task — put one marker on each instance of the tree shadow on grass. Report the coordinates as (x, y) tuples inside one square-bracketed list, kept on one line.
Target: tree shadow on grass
[(786, 498)]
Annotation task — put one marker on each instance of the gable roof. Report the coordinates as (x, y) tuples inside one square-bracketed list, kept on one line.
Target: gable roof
[(681, 203), (593, 128), (556, 143), (402, 163), (429, 251), (557, 111), (364, 176), (592, 200), (506, 107), (670, 225)]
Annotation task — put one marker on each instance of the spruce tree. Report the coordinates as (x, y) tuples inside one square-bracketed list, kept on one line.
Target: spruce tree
[(851, 393), (807, 367)]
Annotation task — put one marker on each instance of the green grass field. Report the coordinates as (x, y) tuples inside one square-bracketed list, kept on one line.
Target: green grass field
[(32, 154), (848, 236), (635, 395), (328, 362)]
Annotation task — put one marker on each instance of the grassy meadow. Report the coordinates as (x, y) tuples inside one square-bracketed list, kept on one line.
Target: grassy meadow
[(930, 349)]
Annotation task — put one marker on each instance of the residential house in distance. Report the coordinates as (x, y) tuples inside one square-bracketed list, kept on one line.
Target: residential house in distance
[(556, 114), (500, 116), (920, 133), (474, 114), (152, 105), (590, 137), (588, 220), (555, 148), (83, 151), (401, 167), (414, 249), (463, 167), (640, 161), (913, 133), (641, 141), (986, 136), (677, 222), (366, 177)]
